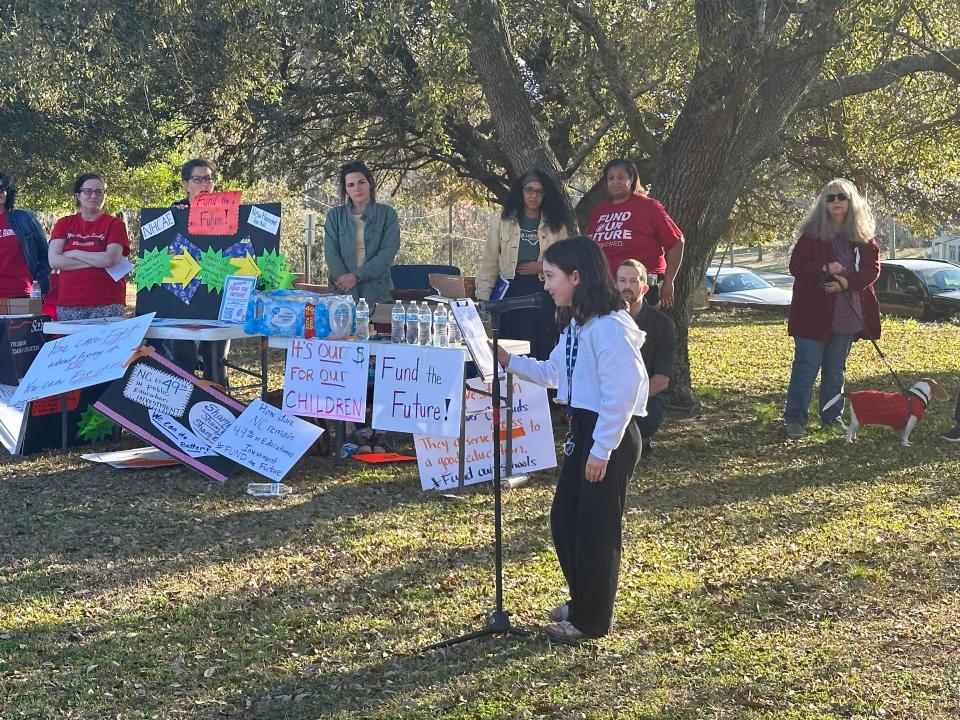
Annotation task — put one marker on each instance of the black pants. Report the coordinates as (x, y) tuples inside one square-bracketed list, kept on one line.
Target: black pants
[(586, 521), (656, 412)]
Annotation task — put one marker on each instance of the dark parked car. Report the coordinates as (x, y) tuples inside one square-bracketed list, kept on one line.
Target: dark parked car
[(919, 288)]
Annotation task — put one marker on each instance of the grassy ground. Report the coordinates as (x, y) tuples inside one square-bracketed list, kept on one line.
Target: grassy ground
[(760, 579)]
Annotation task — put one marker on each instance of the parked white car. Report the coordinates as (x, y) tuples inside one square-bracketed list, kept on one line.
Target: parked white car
[(740, 286)]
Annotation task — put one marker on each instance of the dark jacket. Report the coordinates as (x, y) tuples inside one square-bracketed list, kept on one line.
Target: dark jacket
[(33, 242), (811, 310), (381, 239)]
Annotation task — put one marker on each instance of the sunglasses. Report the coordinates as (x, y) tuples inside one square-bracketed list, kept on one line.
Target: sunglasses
[(838, 196)]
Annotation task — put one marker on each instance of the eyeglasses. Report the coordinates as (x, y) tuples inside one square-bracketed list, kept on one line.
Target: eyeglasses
[(533, 191), (838, 196), (90, 192), (203, 179)]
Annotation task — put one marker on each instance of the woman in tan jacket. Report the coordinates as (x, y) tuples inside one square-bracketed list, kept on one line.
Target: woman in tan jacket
[(533, 218)]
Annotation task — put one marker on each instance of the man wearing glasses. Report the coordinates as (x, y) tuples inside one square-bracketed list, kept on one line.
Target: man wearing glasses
[(200, 176)]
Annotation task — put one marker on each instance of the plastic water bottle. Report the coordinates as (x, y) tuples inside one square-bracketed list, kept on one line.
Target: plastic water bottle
[(341, 320), (424, 324), (413, 319), (398, 317), (35, 290), (277, 489), (352, 307), (441, 326), (363, 320), (455, 336)]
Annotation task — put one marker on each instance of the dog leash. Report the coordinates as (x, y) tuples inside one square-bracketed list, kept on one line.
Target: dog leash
[(876, 346)]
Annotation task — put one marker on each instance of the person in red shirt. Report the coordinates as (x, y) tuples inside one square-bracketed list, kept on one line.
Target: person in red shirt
[(633, 226), (23, 247), (82, 247)]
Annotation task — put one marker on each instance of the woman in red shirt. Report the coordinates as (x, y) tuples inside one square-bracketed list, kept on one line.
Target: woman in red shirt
[(835, 262), (82, 247), (633, 226), (23, 247)]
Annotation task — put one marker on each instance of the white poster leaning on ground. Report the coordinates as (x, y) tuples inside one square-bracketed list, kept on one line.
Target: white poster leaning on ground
[(533, 445), (83, 359), (267, 440)]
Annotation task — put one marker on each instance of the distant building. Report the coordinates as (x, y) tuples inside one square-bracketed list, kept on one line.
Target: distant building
[(946, 247)]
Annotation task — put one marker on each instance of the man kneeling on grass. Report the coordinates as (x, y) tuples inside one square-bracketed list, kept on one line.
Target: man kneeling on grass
[(658, 351)]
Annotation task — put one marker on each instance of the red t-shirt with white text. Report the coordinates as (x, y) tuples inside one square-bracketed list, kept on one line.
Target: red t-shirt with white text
[(638, 229), (15, 278), (91, 286)]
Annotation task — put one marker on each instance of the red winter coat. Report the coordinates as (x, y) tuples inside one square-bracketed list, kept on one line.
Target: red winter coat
[(811, 310)]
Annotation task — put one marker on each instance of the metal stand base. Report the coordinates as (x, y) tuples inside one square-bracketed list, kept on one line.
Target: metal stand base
[(497, 624)]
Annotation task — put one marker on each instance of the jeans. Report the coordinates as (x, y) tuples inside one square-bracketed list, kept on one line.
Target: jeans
[(810, 357)]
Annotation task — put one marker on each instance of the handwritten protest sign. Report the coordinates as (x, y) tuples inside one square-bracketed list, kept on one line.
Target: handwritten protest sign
[(158, 225), (418, 390), (264, 220), (532, 434), (83, 359), (326, 379), (215, 213), (237, 290), (158, 390), (164, 405), (267, 440)]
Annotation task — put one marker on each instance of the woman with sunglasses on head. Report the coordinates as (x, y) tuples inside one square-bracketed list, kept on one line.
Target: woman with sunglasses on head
[(599, 373), (361, 238), (82, 247), (533, 218), (23, 247), (835, 261)]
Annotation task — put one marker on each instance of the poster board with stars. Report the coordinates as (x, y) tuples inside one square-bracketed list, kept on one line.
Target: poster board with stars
[(180, 275)]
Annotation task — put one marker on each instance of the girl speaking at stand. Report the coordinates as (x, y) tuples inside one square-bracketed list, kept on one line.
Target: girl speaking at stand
[(599, 373)]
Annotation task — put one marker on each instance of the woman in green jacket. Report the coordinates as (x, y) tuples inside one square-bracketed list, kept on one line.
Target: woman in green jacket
[(360, 238)]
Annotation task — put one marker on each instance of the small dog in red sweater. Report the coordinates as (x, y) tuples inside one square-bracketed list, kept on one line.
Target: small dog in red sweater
[(901, 411)]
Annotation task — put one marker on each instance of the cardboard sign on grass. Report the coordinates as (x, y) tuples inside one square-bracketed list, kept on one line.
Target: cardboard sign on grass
[(533, 445), (418, 390), (83, 359), (326, 379), (167, 407), (267, 440)]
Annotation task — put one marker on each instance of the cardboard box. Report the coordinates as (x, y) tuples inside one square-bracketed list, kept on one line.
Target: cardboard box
[(21, 306)]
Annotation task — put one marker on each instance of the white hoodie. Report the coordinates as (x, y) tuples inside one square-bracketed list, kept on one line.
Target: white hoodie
[(609, 376)]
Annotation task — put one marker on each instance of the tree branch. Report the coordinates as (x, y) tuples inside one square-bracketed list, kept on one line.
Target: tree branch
[(882, 75), (616, 79), (591, 142)]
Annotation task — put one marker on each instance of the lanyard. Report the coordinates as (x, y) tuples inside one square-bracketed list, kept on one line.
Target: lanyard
[(573, 341)]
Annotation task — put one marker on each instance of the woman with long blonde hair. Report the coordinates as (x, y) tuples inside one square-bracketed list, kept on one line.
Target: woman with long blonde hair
[(835, 261)]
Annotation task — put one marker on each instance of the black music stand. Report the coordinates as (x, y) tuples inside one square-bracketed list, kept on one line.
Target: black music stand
[(498, 622)]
